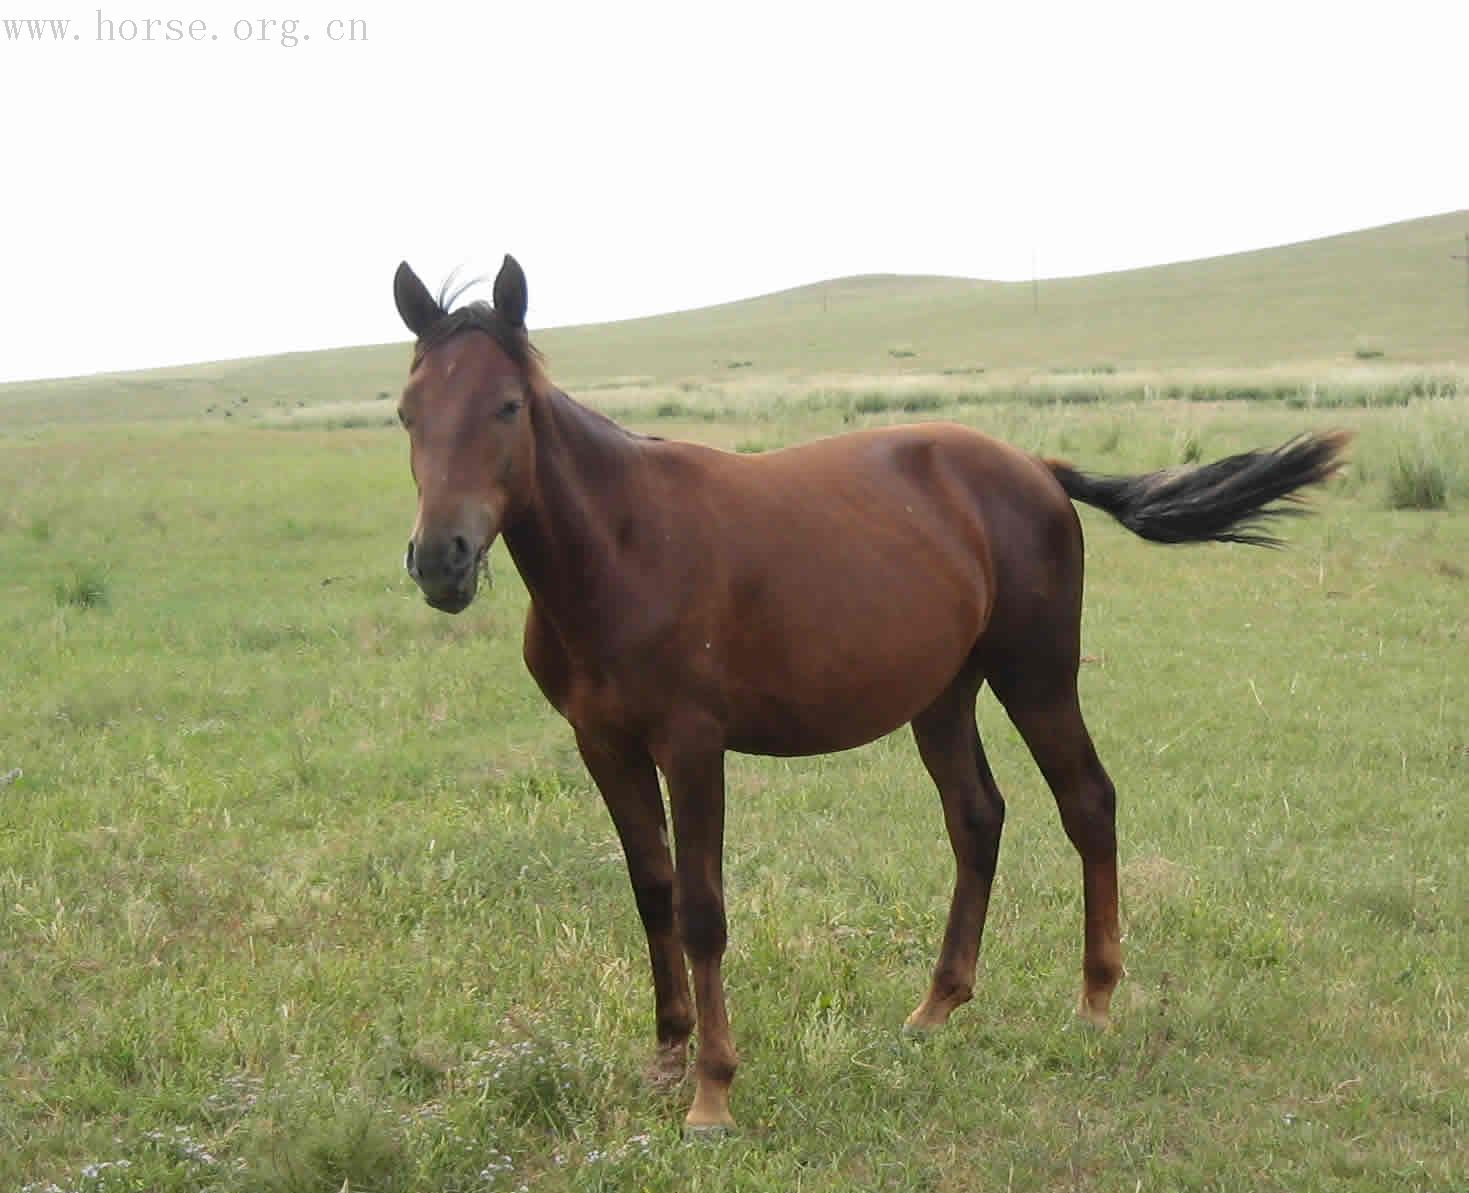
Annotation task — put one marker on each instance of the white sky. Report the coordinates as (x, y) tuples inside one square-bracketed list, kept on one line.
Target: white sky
[(168, 202)]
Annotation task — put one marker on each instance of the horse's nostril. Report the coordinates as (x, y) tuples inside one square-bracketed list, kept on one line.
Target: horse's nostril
[(461, 550), (408, 558)]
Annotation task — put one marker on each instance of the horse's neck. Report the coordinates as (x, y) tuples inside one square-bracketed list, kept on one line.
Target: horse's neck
[(564, 539)]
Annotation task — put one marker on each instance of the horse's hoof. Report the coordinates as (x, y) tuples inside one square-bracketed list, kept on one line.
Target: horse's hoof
[(925, 1021), (666, 1070), (663, 1078), (709, 1116), (1093, 1018), (707, 1132), (934, 1011)]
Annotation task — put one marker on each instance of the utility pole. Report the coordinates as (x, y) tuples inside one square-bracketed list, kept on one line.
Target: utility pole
[(1464, 257)]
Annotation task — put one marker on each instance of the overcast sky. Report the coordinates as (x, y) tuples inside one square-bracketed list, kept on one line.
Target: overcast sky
[(169, 201)]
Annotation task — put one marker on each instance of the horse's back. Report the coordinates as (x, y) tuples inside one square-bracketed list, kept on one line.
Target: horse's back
[(943, 493)]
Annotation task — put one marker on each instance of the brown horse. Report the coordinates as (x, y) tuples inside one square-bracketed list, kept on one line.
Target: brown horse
[(687, 601)]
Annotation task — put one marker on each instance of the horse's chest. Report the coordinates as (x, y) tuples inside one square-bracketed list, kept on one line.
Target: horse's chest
[(590, 697)]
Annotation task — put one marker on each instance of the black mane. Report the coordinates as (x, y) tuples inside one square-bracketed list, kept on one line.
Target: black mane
[(475, 316)]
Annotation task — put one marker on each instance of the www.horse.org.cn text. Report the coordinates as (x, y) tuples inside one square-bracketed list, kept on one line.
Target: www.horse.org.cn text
[(107, 28)]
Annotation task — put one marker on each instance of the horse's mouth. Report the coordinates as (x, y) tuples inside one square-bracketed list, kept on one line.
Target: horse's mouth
[(454, 601), (458, 598)]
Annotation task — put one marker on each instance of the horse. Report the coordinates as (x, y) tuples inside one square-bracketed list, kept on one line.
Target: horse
[(686, 602)]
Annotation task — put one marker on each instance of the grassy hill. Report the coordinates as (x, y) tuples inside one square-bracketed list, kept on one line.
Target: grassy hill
[(1393, 290)]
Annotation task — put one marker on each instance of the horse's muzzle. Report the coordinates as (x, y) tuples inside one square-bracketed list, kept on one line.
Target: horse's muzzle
[(446, 570)]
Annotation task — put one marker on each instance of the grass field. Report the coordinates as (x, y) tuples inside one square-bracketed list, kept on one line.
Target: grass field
[(302, 886)]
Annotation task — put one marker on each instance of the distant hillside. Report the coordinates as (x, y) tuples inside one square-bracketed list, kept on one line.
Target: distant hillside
[(1394, 290)]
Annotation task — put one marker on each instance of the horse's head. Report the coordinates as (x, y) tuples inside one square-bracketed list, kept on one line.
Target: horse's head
[(465, 410)]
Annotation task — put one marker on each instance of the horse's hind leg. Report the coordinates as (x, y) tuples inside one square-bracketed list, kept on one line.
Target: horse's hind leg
[(948, 742), (1040, 697)]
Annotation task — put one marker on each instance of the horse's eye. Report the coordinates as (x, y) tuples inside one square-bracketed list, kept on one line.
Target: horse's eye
[(509, 409)]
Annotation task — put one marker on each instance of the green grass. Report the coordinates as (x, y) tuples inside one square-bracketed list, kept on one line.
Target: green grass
[(85, 588), (303, 887), (1417, 479), (303, 884)]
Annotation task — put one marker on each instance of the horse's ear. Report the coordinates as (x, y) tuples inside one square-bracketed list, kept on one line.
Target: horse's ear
[(510, 292), (415, 304)]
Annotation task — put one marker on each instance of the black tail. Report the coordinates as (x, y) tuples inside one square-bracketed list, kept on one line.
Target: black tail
[(1226, 501)]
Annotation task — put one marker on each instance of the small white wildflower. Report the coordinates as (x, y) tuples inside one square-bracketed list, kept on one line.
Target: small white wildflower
[(98, 1171)]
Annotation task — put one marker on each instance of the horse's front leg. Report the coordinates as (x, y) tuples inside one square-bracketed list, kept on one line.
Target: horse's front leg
[(694, 766), (625, 776)]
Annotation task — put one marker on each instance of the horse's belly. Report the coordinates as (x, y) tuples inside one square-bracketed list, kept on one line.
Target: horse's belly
[(820, 689)]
